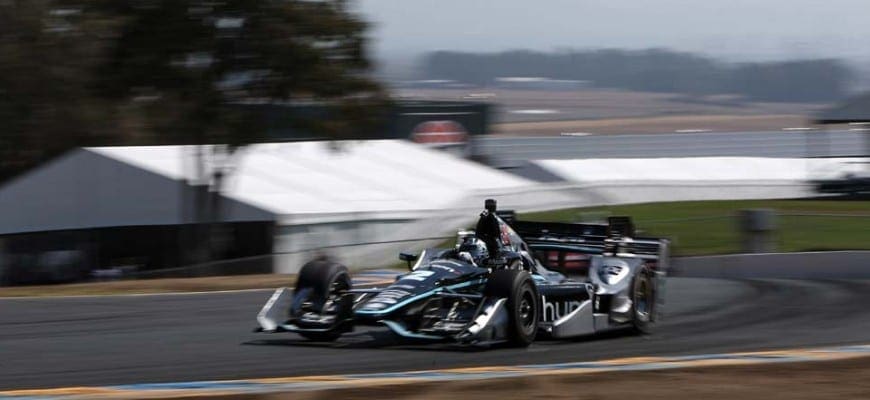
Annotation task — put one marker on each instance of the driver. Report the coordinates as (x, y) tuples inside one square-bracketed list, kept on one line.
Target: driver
[(472, 250)]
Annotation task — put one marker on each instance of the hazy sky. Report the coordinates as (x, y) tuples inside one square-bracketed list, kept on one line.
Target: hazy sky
[(735, 29)]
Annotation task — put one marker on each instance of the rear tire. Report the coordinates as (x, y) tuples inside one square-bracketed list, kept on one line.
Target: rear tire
[(326, 279), (523, 303), (643, 301)]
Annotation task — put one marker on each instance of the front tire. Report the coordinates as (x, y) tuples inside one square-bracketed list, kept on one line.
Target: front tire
[(523, 303), (324, 282)]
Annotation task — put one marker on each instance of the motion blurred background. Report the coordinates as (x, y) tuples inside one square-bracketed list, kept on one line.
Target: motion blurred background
[(179, 138)]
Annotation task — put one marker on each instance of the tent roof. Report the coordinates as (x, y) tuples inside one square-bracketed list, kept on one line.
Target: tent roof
[(83, 189), (299, 179), (302, 182)]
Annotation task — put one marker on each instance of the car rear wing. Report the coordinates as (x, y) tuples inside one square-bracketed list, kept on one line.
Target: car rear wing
[(617, 237)]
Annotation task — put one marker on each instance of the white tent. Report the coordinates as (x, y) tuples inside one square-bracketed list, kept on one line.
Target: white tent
[(643, 180), (308, 182), (86, 189), (315, 182), (317, 193), (701, 169)]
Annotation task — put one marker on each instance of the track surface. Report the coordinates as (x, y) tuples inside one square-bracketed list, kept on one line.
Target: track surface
[(101, 341), (507, 150)]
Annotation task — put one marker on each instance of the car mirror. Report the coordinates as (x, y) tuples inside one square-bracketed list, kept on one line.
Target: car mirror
[(408, 258)]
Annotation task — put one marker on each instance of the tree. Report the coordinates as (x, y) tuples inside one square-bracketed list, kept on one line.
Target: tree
[(45, 104), (180, 71), (183, 64)]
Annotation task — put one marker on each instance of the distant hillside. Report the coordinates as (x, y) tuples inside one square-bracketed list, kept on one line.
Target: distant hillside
[(653, 70)]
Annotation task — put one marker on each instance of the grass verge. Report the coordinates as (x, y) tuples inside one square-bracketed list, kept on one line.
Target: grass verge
[(712, 227)]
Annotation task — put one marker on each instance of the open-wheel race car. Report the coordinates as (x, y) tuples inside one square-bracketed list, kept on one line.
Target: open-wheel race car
[(497, 285)]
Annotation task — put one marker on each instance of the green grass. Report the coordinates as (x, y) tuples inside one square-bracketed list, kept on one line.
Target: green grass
[(711, 227)]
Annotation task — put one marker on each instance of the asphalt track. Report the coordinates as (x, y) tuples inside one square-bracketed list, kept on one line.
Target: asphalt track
[(62, 342), (840, 143)]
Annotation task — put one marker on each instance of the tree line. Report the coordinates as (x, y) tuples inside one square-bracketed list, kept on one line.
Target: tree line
[(654, 70), (143, 72)]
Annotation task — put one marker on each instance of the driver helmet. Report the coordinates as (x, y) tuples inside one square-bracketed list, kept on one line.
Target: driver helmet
[(475, 248)]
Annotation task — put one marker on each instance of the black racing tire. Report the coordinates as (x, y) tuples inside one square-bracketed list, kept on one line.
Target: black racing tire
[(523, 303), (326, 278), (643, 301)]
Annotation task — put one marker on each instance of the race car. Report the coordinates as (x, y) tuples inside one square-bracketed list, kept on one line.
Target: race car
[(471, 294)]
